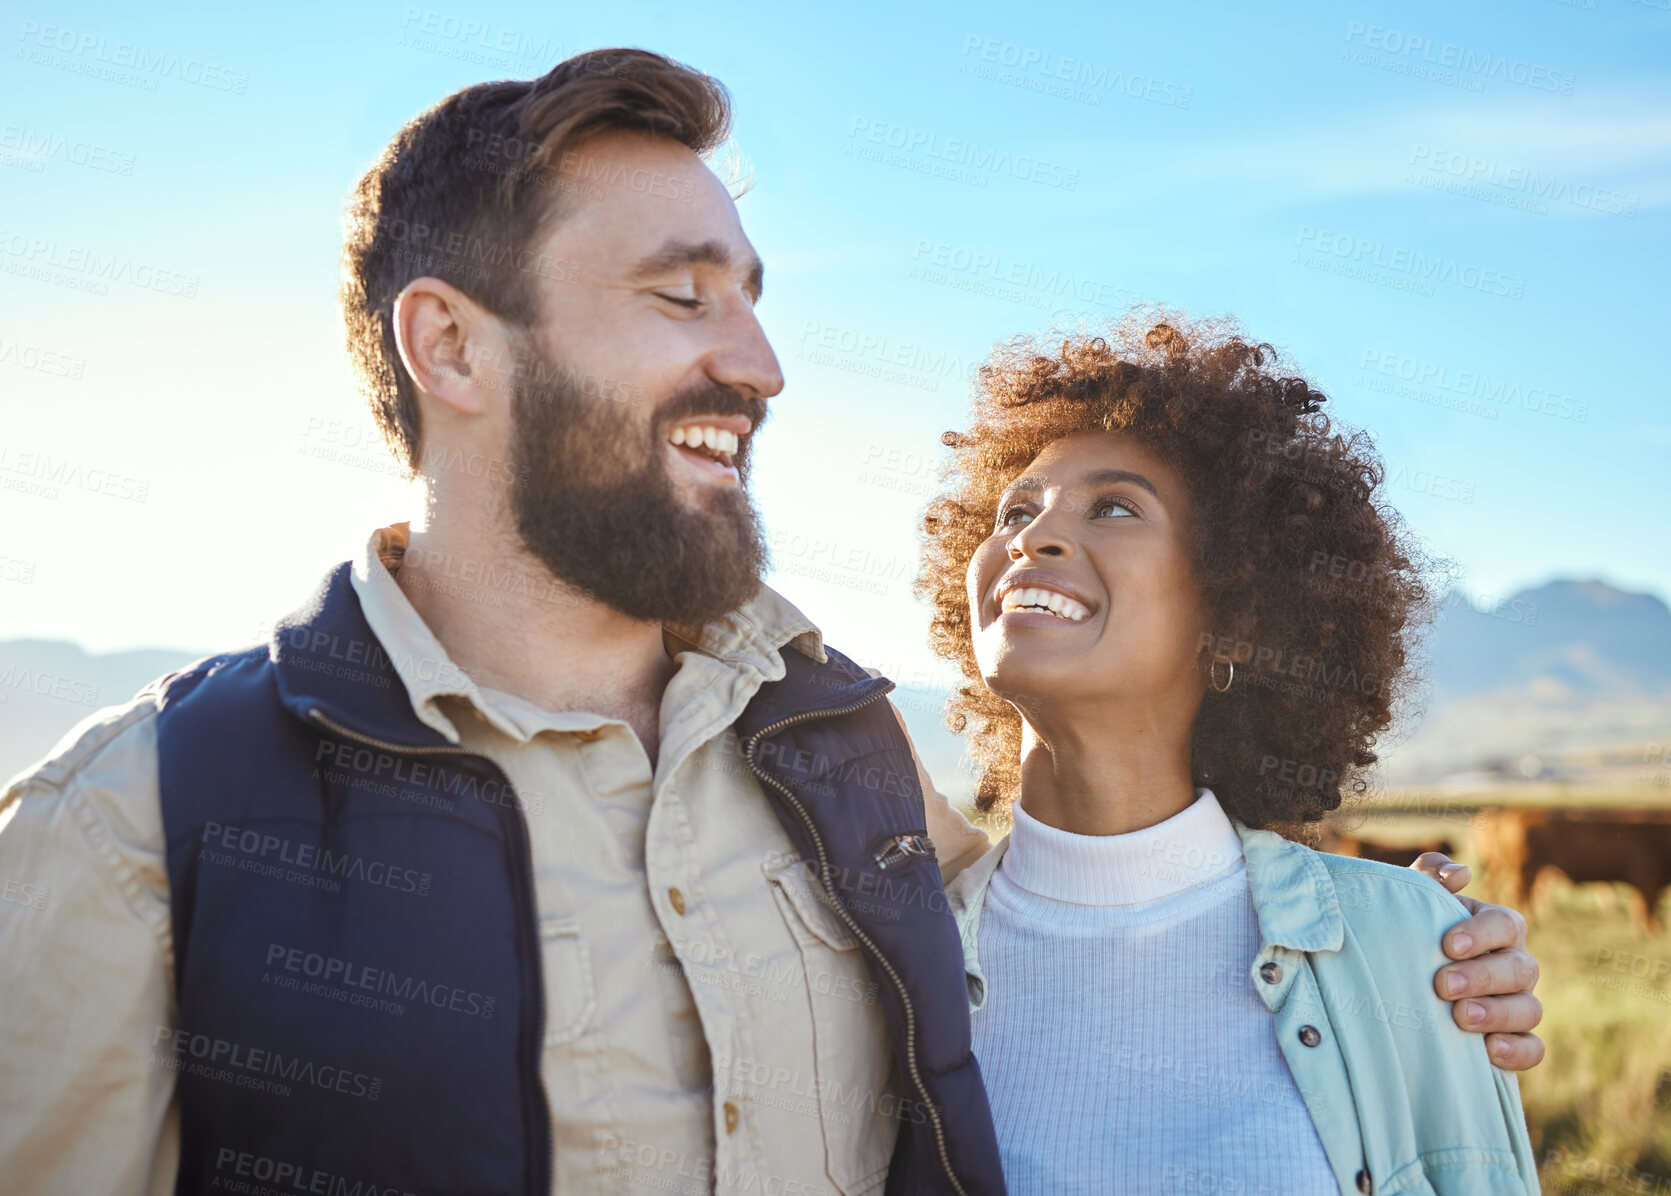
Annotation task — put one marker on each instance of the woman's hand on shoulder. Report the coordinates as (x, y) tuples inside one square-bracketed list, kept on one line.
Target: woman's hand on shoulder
[(1490, 987)]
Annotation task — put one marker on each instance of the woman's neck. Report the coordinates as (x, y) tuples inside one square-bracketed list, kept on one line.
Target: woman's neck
[(1109, 775)]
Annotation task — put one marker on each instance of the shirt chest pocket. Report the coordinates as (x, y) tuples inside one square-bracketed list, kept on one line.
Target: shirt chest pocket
[(566, 966), (858, 1106)]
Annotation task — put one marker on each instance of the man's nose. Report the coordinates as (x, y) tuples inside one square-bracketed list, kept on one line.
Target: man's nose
[(746, 362)]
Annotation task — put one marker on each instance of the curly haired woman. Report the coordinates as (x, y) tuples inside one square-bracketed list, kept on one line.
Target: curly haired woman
[(1169, 683)]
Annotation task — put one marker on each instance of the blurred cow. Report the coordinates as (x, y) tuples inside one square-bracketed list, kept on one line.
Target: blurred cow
[(1518, 844), (1401, 854)]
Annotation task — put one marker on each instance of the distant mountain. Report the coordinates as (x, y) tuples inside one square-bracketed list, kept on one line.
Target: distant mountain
[(1564, 641), (1568, 681), (48, 686)]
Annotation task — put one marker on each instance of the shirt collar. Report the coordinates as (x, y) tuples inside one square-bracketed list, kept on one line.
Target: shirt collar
[(1293, 893), (1293, 898), (748, 637), (1196, 845)]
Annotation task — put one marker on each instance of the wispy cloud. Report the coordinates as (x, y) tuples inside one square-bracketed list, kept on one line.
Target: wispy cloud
[(1619, 142)]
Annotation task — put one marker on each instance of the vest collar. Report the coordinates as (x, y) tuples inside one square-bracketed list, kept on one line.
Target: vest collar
[(332, 670), (808, 687)]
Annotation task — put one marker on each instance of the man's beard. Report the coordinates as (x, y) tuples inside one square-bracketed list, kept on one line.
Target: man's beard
[(595, 501)]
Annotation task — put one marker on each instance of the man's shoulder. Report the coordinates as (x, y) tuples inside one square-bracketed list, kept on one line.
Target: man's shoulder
[(127, 731)]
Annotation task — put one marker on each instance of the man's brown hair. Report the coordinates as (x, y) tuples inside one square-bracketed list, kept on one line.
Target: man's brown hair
[(463, 192)]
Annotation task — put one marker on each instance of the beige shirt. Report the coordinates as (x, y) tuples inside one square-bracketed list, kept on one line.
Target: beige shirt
[(710, 1025)]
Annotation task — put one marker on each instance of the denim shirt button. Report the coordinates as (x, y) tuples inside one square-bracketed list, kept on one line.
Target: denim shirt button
[(1309, 1036), (1364, 1185), (1271, 973)]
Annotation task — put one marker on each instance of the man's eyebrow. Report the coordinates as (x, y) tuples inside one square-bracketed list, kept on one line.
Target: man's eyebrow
[(675, 254)]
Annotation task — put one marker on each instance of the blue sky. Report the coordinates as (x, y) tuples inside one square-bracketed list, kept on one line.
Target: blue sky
[(1454, 218)]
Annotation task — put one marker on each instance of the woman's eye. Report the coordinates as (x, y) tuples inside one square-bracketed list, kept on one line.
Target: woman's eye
[(1112, 508), (1014, 517)]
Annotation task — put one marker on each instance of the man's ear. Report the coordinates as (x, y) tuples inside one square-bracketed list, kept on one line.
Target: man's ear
[(442, 334)]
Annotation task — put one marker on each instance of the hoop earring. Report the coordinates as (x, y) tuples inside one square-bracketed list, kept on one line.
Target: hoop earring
[(1230, 678)]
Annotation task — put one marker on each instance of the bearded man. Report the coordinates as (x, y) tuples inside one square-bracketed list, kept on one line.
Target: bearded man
[(545, 848)]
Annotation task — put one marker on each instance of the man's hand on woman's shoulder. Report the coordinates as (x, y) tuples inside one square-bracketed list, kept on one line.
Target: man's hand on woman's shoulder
[(1490, 985)]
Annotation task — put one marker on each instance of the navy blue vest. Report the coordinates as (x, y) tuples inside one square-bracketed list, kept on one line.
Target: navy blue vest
[(357, 953)]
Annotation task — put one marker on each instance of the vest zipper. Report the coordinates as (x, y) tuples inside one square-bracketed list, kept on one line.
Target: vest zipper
[(903, 847), (519, 822), (853, 926)]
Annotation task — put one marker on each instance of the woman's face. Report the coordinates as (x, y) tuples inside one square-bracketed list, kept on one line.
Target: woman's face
[(1084, 591)]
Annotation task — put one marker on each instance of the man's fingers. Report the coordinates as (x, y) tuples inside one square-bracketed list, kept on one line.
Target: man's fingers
[(1443, 869), (1491, 929), (1502, 1015), (1496, 975), (1514, 1052)]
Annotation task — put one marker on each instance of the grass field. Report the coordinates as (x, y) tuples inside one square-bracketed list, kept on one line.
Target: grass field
[(1599, 1107)]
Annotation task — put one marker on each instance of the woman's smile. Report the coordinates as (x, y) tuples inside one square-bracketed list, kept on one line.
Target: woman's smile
[(1035, 597)]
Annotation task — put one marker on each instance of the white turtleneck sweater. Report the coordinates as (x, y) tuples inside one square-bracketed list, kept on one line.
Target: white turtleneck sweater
[(1121, 1039)]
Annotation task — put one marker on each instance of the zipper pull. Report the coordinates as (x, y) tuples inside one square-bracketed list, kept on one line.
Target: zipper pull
[(903, 847)]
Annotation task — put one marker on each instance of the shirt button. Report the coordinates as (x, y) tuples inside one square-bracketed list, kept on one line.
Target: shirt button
[(730, 1118), (678, 901), (1364, 1185), (592, 736), (1271, 973), (1309, 1036)]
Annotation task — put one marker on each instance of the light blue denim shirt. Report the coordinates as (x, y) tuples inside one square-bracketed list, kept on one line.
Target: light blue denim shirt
[(1403, 1100)]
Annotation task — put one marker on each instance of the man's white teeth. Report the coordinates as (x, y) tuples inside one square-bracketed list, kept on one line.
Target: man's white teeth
[(1034, 598), (705, 436)]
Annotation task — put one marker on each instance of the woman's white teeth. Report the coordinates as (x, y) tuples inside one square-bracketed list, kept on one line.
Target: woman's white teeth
[(705, 436), (1059, 605)]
